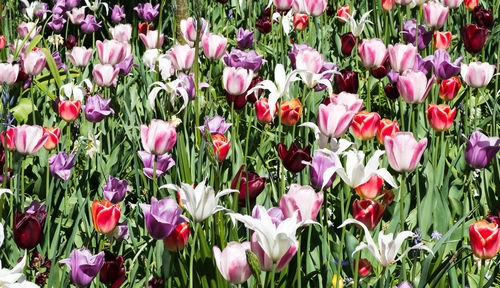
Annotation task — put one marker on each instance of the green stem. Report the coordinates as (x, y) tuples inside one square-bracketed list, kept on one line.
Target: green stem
[(299, 263), (272, 275), (481, 275), (22, 184), (356, 270), (402, 216), (32, 102), (191, 257), (155, 183)]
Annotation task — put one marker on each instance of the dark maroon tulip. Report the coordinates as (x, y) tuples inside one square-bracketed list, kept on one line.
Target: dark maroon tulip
[(391, 91), (256, 185), (239, 100), (252, 98), (293, 157), (483, 17), (381, 71), (113, 271), (347, 43), (474, 37), (347, 81), (28, 226), (263, 24), (71, 41), (330, 10)]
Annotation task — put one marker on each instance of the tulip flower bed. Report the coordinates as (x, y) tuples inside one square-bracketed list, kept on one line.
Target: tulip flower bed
[(289, 143)]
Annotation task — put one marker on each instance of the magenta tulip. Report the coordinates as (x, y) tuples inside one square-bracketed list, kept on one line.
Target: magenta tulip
[(372, 52), (121, 32), (403, 151), (188, 29), (24, 29), (413, 86), (477, 74)]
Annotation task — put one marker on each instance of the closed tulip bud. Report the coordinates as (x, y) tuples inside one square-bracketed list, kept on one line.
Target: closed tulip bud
[(300, 21), (69, 109), (474, 38), (484, 239), (162, 217), (112, 271), (11, 145), (159, 137), (236, 80), (402, 56), (144, 27), (3, 40), (368, 212), (364, 267), (105, 216), (244, 38), (480, 149), (182, 57), (105, 75), (29, 139), (347, 41), (290, 112), (80, 56), (403, 151), (483, 17), (177, 240), (435, 14), (386, 127), (477, 74), (372, 52), (320, 163), (372, 188), (251, 179), (294, 157), (263, 24), (411, 86), (347, 81), (24, 29), (315, 7), (343, 13), (53, 138), (115, 189), (263, 112), (381, 71), (388, 4), (365, 125), (8, 73), (471, 4), (391, 91), (214, 45), (337, 279), (34, 62), (441, 40), (188, 28), (232, 262), (28, 226), (302, 199), (221, 147), (440, 116), (84, 266), (77, 15), (150, 39), (121, 32), (449, 88)]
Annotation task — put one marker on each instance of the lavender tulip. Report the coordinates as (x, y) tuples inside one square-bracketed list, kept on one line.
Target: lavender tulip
[(327, 66), (244, 39), (249, 60), (90, 25), (126, 65), (57, 23), (216, 125), (409, 34), (188, 84), (443, 67), (147, 12), (162, 217), (163, 164), (59, 63), (423, 64), (59, 7), (60, 165), (118, 13), (115, 189), (480, 149), (320, 163), (70, 4), (97, 108), (84, 266), (120, 232)]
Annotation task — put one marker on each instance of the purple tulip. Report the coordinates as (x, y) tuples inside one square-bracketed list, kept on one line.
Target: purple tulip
[(409, 34), (162, 217), (423, 64), (90, 25), (393, 76), (59, 63), (117, 14), (244, 38), (126, 65), (249, 60), (320, 163), (120, 232), (115, 189), (57, 22), (70, 4), (60, 165), (326, 66), (216, 125), (43, 8), (163, 163), (97, 108), (480, 149), (443, 67), (188, 84), (59, 8), (84, 266), (147, 12)]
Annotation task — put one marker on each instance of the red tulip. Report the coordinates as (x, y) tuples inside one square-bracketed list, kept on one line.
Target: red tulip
[(293, 157), (177, 240), (484, 239), (449, 88), (255, 183), (471, 4), (371, 189), (386, 128), (11, 146), (388, 4), (53, 139), (144, 27), (221, 147), (365, 125), (368, 212), (263, 112), (441, 40), (474, 38), (387, 196), (69, 109), (105, 216), (2, 41), (347, 42), (290, 112), (440, 116), (113, 271), (343, 12), (364, 267), (300, 21)]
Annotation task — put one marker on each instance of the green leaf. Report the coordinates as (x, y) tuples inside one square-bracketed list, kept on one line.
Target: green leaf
[(52, 67), (22, 110), (33, 43)]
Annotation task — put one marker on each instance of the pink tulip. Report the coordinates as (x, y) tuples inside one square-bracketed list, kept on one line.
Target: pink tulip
[(188, 30), (69, 109), (413, 86), (302, 199), (310, 60), (402, 56), (77, 15), (80, 56), (299, 6), (34, 62), (121, 32), (283, 4), (477, 74), (29, 139), (315, 7), (182, 56), (105, 75), (8, 73), (236, 80), (159, 137), (111, 51), (214, 45), (232, 262), (150, 39), (372, 52), (23, 29), (452, 3), (351, 101), (435, 14), (266, 262), (403, 151), (365, 125), (334, 119)]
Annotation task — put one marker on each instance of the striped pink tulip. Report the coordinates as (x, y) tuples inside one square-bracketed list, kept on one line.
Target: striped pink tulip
[(302, 199), (334, 119), (372, 52), (29, 139), (121, 32), (8, 73), (315, 7), (403, 151), (79, 56), (283, 4), (435, 14), (214, 45), (402, 56), (411, 86), (159, 137), (477, 74), (232, 262), (150, 39), (188, 30), (182, 56), (34, 62), (310, 60), (236, 80), (111, 51), (105, 75)]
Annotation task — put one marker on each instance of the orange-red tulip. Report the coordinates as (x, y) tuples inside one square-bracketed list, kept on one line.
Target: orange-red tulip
[(449, 88), (221, 146), (300, 21), (178, 238), (386, 128), (440, 116), (290, 112), (53, 139), (441, 40), (365, 125), (372, 188), (105, 216), (69, 109)]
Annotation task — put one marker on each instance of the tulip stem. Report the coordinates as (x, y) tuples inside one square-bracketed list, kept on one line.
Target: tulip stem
[(382, 279), (339, 264), (272, 274), (191, 257), (32, 102), (356, 269), (22, 184), (155, 184), (481, 274), (299, 262), (402, 216)]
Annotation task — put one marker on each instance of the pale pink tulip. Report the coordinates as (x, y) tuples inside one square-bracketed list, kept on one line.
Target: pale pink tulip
[(351, 101), (121, 32), (23, 29), (105, 75), (8, 73), (214, 45), (159, 137), (435, 14), (413, 86), (402, 56), (188, 30), (372, 52), (283, 4), (315, 7), (34, 62), (150, 40), (182, 56), (403, 151), (80, 56), (452, 3), (302, 199), (29, 139), (477, 74), (236, 80), (111, 51), (266, 262), (334, 119), (77, 15), (232, 262), (310, 60)]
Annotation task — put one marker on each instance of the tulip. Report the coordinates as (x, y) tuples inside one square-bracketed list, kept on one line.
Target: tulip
[(244, 38), (232, 262), (90, 25), (365, 125), (24, 29), (347, 81), (265, 261), (334, 119), (449, 88), (483, 17), (115, 189), (2, 41), (57, 22), (402, 56), (188, 29), (337, 280), (29, 139), (221, 147), (440, 116), (293, 157), (11, 145), (163, 163), (302, 199), (411, 88), (443, 67), (386, 128), (263, 112), (347, 42), (77, 15), (441, 40), (315, 7), (34, 62), (69, 109), (300, 21), (251, 179), (371, 189), (364, 267), (214, 45), (452, 3), (480, 149), (368, 212), (84, 266), (53, 137), (249, 60), (409, 31), (80, 56), (372, 52), (215, 125), (60, 164), (147, 12), (121, 32), (236, 80), (321, 162), (435, 14), (117, 13), (8, 73), (477, 74), (112, 271), (97, 108), (177, 240), (290, 112), (105, 216), (150, 57), (391, 91), (474, 37), (283, 4), (182, 57), (403, 151), (159, 137), (28, 226), (105, 75), (484, 239), (144, 27), (471, 4), (343, 13), (162, 217), (263, 24), (150, 39), (350, 100), (387, 5)]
